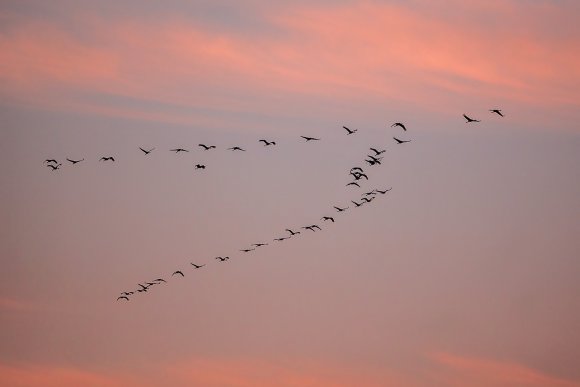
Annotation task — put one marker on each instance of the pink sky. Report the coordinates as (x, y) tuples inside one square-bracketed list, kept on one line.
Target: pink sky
[(465, 274)]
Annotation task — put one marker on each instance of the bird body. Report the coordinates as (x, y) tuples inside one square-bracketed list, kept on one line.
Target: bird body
[(400, 141), (378, 152), (469, 119), (350, 131), (310, 138), (325, 218), (199, 166), (110, 158), (147, 151), (236, 148), (353, 183), (197, 266), (74, 161), (207, 147), (266, 142), (179, 272), (292, 232), (496, 111), (399, 125), (340, 209)]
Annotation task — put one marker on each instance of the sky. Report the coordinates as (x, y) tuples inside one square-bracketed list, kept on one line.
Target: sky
[(466, 273)]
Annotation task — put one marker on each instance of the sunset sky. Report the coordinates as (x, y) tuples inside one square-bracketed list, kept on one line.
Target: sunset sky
[(467, 273)]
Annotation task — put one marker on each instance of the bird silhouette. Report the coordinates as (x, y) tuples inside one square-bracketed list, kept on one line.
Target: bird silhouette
[(338, 209), (353, 183), (359, 175), (400, 141), (143, 288), (196, 266), (206, 147), (310, 138), (74, 161), (54, 167), (378, 152), (110, 158), (350, 131), (222, 259), (399, 125), (496, 111), (375, 159), (312, 227), (266, 142), (127, 293), (368, 200), (383, 192), (356, 169), (50, 161), (356, 204), (199, 166), (236, 148), (281, 239), (146, 151), (247, 250), (325, 218), (178, 272), (122, 298), (370, 193), (259, 244), (160, 280), (177, 150), (292, 232), (469, 119)]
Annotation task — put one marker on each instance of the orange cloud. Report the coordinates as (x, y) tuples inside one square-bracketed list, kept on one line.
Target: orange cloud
[(364, 51), (463, 371)]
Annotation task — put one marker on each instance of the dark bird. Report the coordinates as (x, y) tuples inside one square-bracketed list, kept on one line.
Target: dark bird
[(400, 141), (378, 152), (196, 266), (383, 192), (292, 232), (470, 119), (368, 200), (151, 283), (311, 228), (310, 138), (177, 150), (143, 288), (340, 209), (178, 272), (74, 161), (247, 250), (160, 280), (236, 148), (266, 142), (222, 259), (50, 161), (107, 158), (371, 162), (353, 183), (399, 125), (259, 244), (325, 218), (199, 166), (356, 204), (122, 298), (350, 131), (356, 169), (281, 239), (359, 175), (375, 159), (206, 147), (147, 151), (497, 111), (127, 293), (54, 167), (370, 193)]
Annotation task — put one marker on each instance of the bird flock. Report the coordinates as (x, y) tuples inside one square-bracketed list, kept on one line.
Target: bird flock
[(357, 174)]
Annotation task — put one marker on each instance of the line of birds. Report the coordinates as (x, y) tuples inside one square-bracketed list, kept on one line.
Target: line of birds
[(357, 173)]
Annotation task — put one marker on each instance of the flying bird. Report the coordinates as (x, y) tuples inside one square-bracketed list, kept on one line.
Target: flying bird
[(370, 193), (383, 192), (340, 209), (247, 250), (469, 119), (122, 298), (311, 228), (259, 244), (236, 148), (325, 218), (146, 151), (222, 259), (310, 138), (281, 239), (266, 142), (367, 199), (50, 161), (378, 152), (178, 272), (359, 175), (177, 150), (54, 167), (110, 158), (496, 111), (350, 131), (292, 232), (356, 204), (160, 280), (199, 166), (400, 141), (353, 183), (74, 161), (206, 147), (399, 125), (196, 266)]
